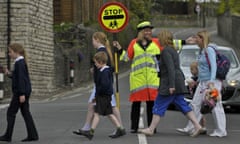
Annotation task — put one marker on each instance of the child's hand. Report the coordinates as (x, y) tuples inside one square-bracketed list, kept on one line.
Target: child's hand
[(91, 70), (191, 83), (171, 90), (22, 98), (94, 100), (207, 94), (6, 71), (210, 85)]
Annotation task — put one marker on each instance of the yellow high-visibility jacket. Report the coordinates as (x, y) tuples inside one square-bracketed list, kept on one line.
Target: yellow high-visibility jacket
[(144, 80)]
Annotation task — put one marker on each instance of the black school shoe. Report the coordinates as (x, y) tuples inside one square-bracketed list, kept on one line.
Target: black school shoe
[(88, 134), (134, 131), (29, 139), (4, 138), (120, 132), (79, 132)]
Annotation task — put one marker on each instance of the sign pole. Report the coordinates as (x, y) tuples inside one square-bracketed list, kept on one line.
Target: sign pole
[(113, 17), (116, 66)]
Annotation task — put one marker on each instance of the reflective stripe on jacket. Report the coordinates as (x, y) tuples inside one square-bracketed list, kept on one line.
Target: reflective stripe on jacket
[(144, 80), (177, 44)]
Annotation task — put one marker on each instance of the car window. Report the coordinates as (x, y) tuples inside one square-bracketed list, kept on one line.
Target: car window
[(187, 56), (231, 57)]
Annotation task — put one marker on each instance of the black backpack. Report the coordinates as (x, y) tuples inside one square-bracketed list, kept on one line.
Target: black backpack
[(223, 65)]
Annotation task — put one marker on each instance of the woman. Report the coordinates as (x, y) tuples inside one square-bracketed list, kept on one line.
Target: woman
[(207, 76), (171, 86), (143, 52)]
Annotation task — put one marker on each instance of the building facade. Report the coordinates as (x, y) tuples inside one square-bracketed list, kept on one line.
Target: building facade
[(79, 11)]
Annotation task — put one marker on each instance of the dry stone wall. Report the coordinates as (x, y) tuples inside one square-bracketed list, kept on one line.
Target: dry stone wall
[(32, 26), (3, 28)]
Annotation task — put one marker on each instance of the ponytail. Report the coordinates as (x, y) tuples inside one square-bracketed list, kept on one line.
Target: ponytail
[(109, 51), (103, 40)]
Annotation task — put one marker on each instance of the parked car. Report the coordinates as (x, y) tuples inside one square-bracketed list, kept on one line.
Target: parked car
[(231, 86)]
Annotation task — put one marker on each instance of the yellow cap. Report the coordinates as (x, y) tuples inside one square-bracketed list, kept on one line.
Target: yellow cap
[(144, 24)]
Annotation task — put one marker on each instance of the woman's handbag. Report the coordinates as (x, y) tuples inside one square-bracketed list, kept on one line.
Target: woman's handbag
[(210, 99), (207, 105)]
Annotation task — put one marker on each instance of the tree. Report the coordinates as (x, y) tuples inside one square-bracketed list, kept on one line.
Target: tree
[(141, 8), (229, 6)]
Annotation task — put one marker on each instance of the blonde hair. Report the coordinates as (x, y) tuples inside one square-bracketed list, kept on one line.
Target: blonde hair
[(166, 38), (18, 48), (204, 35), (101, 57), (103, 40), (194, 65)]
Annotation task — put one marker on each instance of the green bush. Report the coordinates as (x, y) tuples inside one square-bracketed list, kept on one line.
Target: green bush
[(63, 27), (229, 6)]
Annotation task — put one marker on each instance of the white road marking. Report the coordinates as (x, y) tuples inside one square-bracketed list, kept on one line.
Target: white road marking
[(142, 139), (2, 106), (72, 96)]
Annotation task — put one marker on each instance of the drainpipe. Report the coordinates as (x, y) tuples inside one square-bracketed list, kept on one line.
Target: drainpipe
[(8, 31), (8, 58)]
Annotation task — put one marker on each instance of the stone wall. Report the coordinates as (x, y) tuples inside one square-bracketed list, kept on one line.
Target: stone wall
[(32, 26), (74, 44), (3, 28)]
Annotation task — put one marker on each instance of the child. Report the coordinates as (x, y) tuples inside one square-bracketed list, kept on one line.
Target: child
[(192, 82), (21, 87), (192, 85), (100, 43), (104, 91)]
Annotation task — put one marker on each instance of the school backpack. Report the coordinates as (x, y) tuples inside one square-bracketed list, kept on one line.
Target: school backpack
[(223, 64)]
